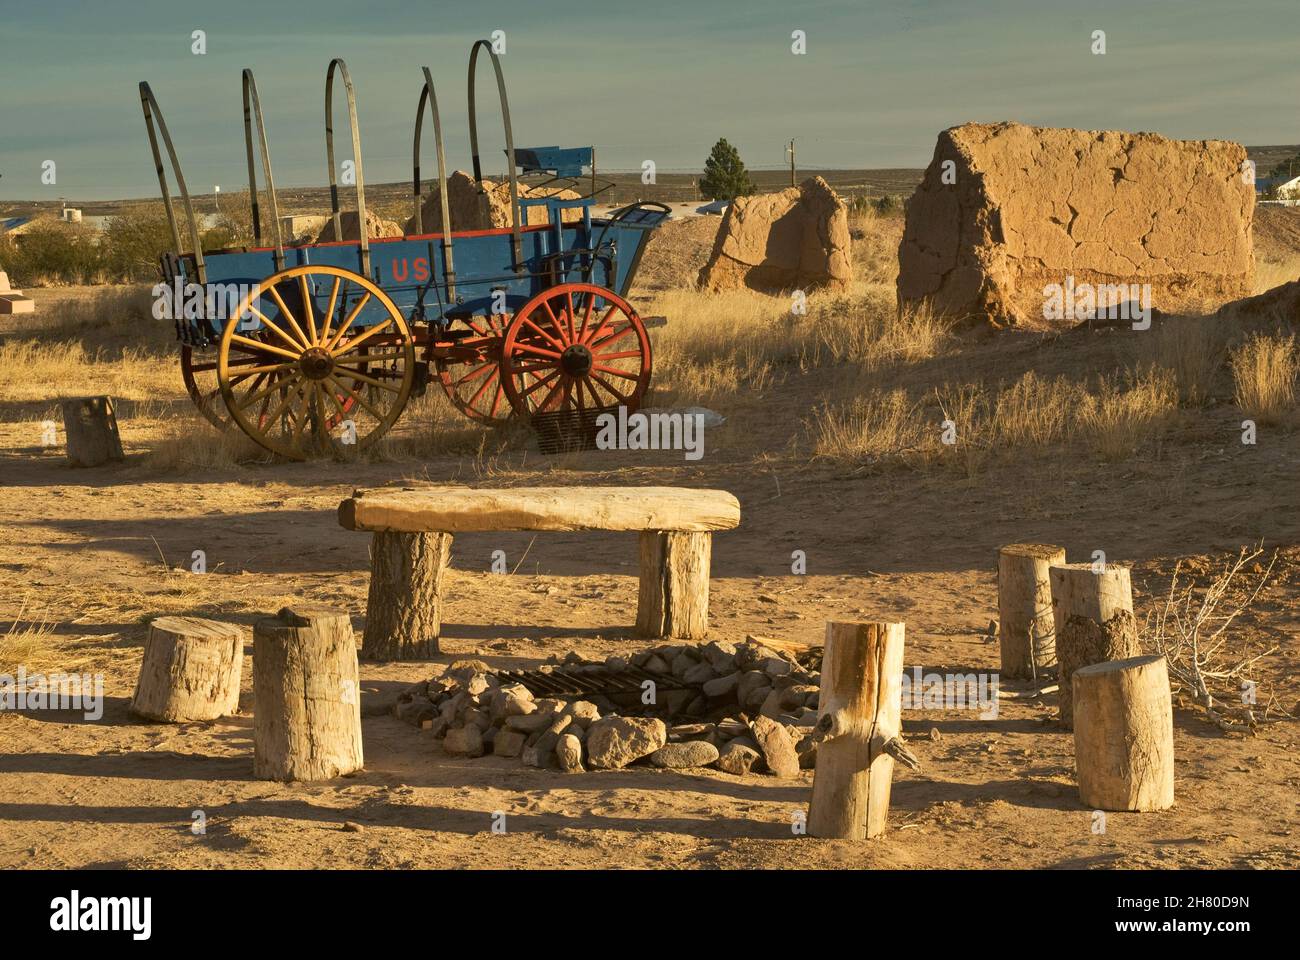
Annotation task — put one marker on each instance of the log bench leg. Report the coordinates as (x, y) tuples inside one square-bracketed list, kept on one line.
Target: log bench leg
[(404, 607), (674, 596)]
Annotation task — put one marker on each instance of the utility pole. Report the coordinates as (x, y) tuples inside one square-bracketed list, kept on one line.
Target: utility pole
[(791, 150)]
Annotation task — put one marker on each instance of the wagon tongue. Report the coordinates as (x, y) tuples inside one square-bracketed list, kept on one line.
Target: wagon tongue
[(316, 363)]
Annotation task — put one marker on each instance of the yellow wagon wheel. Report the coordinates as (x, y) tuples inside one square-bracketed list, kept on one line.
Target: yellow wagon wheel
[(331, 362)]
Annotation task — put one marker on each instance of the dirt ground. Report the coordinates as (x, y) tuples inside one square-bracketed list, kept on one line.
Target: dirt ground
[(95, 554)]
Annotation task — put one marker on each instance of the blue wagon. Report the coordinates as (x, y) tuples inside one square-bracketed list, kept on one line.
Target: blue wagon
[(314, 348)]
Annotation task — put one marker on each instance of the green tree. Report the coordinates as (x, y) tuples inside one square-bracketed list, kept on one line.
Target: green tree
[(725, 176)]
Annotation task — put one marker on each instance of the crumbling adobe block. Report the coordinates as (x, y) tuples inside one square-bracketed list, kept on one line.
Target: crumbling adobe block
[(1007, 211)]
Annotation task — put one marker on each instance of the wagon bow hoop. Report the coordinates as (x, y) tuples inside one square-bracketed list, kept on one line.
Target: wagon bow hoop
[(516, 243), (151, 111), (342, 67), (253, 107), (427, 94)]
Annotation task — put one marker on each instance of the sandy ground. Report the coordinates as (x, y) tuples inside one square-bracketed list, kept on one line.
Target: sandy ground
[(84, 548), (97, 553)]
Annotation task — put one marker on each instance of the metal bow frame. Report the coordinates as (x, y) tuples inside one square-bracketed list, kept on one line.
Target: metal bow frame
[(342, 67), (253, 108), (516, 244), (152, 112), (428, 95)]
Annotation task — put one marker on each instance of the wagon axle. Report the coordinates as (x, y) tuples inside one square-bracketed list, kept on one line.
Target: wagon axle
[(316, 363), (576, 360)]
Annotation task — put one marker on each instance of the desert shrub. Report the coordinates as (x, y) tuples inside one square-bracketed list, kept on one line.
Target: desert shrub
[(135, 240), (53, 252), (234, 223), (1264, 370)]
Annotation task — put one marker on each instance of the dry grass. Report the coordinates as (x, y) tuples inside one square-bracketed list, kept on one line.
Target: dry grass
[(875, 245), (1274, 273), (188, 443), (1264, 370), (1193, 350), (32, 370), (741, 342), (24, 644), (1120, 419), (1126, 419)]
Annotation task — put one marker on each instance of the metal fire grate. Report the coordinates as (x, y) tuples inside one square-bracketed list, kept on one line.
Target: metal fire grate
[(585, 680), (567, 431)]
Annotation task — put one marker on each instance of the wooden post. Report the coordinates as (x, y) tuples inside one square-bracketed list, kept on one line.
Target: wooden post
[(404, 608), (91, 428), (1124, 734), (307, 705), (190, 670), (1093, 610), (1026, 628), (674, 595), (859, 730)]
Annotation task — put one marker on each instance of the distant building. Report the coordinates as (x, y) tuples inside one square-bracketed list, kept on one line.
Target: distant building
[(1282, 187), (294, 226), (15, 227), (1287, 189)]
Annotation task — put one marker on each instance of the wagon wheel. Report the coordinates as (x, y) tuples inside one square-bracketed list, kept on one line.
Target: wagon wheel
[(578, 348), (319, 376), (199, 372), (200, 376), (474, 387)]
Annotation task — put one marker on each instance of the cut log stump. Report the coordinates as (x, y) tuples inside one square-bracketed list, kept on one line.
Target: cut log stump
[(1093, 610), (1124, 734), (404, 609), (307, 705), (674, 595), (91, 428), (859, 731), (1026, 627), (190, 670)]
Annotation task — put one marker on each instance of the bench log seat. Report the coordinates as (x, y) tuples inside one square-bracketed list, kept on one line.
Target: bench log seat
[(412, 534)]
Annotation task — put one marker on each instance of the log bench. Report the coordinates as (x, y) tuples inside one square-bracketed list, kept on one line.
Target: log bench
[(413, 528)]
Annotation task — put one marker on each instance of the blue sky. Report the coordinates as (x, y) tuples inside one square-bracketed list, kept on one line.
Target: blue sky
[(655, 79)]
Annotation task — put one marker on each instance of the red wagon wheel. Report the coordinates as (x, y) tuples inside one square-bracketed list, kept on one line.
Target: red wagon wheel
[(318, 376), (474, 387), (578, 348)]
